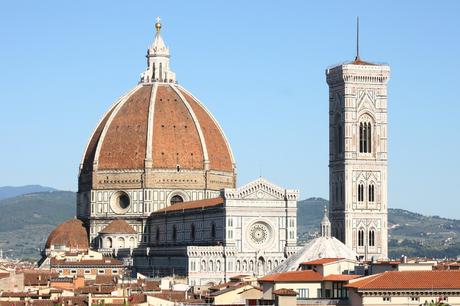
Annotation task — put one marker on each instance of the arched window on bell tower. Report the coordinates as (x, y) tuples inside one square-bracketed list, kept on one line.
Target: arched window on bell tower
[(365, 135), (361, 237), (371, 193), (372, 237), (340, 139), (360, 192)]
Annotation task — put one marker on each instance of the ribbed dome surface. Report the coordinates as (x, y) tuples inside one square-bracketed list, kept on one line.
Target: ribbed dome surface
[(162, 126), (71, 234), (321, 247)]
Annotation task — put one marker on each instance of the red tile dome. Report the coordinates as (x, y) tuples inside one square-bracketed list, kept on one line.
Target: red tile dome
[(161, 123), (158, 135), (71, 234)]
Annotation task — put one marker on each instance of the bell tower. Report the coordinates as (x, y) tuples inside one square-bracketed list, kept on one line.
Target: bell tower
[(358, 156)]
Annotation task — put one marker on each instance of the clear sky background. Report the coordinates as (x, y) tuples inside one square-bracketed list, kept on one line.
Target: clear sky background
[(259, 66)]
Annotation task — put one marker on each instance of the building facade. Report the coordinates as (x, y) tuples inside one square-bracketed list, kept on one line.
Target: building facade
[(358, 156), (157, 188), (246, 230), (156, 146)]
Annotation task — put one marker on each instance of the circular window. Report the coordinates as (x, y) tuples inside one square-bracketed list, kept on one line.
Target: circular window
[(259, 233), (120, 202), (123, 201), (176, 199)]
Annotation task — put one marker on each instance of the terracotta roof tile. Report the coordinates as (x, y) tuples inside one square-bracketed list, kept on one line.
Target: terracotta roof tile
[(358, 61), (176, 296), (88, 159), (176, 140), (37, 277), (124, 144), (437, 279), (193, 205), (4, 275), (341, 277), (44, 302), (107, 261), (175, 136), (72, 233), (12, 303), (293, 276), (96, 289), (105, 280), (151, 286), (73, 300), (219, 153), (285, 292), (118, 227)]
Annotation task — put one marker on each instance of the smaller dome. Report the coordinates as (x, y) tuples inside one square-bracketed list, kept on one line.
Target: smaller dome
[(321, 247), (71, 234), (324, 246), (118, 227)]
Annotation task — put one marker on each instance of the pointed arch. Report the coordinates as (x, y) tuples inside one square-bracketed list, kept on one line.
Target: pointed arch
[(360, 237), (371, 237), (371, 192), (366, 122), (361, 191)]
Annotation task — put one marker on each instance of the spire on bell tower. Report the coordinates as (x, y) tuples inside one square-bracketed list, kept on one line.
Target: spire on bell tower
[(325, 224), (357, 39), (158, 60)]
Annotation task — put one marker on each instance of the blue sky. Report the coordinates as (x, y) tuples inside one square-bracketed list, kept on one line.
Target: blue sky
[(257, 65)]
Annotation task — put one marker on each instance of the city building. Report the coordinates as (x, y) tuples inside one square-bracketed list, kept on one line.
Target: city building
[(406, 288), (157, 190), (247, 230), (157, 187), (309, 285), (358, 153)]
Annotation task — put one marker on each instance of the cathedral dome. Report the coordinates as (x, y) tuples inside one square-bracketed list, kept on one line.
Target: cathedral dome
[(157, 127), (70, 234), (161, 126)]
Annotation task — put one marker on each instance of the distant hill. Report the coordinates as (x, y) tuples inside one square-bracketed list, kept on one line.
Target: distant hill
[(410, 233), (14, 191), (27, 220)]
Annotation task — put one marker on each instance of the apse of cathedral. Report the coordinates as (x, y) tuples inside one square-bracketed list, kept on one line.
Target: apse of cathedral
[(157, 183)]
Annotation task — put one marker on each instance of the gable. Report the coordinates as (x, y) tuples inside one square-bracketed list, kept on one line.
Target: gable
[(366, 100), (259, 189)]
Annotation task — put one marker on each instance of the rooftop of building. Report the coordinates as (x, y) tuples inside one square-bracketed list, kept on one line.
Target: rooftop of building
[(199, 204), (293, 276), (394, 280), (285, 292), (321, 261), (106, 261), (118, 227)]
